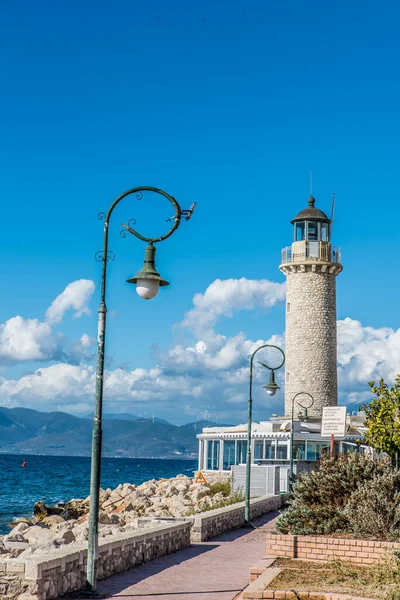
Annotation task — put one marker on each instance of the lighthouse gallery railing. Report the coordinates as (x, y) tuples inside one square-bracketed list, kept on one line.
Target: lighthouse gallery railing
[(310, 252)]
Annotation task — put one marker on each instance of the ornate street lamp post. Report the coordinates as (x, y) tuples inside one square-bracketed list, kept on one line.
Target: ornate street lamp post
[(147, 281), (292, 430), (271, 389)]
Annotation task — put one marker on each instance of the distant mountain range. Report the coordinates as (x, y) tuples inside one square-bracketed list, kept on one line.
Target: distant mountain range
[(129, 417), (27, 431)]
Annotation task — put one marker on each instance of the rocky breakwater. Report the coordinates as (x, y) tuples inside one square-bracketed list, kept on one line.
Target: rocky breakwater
[(122, 510)]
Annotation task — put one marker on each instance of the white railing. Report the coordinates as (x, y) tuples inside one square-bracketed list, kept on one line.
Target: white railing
[(310, 252)]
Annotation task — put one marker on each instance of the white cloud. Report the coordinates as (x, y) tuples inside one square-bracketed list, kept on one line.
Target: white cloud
[(24, 340), (365, 353), (210, 374), (76, 296), (225, 297), (28, 339)]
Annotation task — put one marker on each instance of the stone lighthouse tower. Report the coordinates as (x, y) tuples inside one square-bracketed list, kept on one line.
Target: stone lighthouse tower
[(311, 265)]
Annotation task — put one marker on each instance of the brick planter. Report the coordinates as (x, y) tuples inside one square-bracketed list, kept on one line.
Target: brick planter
[(360, 552)]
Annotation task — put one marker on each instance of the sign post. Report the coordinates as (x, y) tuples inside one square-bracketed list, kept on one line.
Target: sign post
[(332, 452), (333, 424), (333, 421)]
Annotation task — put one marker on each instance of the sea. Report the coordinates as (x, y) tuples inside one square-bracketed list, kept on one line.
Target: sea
[(54, 479)]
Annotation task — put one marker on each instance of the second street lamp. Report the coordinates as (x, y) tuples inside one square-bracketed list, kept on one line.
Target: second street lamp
[(292, 430), (147, 282), (271, 389)]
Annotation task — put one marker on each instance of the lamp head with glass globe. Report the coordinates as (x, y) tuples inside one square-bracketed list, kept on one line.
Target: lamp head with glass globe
[(271, 386), (148, 280)]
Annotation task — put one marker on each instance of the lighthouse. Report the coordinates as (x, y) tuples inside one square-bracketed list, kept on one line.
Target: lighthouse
[(311, 265)]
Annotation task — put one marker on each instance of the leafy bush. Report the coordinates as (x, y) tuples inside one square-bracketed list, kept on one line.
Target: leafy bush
[(234, 498), (373, 509), (227, 501), (320, 499), (223, 487)]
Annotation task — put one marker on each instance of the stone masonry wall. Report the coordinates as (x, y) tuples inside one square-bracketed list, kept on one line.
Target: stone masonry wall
[(311, 339), (361, 552), (215, 522), (41, 579), (49, 578)]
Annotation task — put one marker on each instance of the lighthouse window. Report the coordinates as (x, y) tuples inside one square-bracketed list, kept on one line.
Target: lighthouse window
[(300, 231), (312, 231), (324, 232), (288, 307)]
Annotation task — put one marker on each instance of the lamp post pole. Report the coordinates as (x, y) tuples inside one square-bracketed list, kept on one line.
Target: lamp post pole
[(148, 281), (271, 388), (292, 432)]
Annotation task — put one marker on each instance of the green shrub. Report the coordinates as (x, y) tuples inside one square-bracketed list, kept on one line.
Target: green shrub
[(227, 501), (223, 487), (373, 510), (238, 496), (319, 498)]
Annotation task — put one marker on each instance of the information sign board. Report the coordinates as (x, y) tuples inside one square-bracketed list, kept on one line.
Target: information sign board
[(333, 421)]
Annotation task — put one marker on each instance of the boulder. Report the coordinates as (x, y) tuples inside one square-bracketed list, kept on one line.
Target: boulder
[(81, 532), (171, 491), (178, 506), (60, 528), (104, 519), (75, 509), (15, 549), (182, 487), (131, 516), (52, 520), (20, 528), (110, 530), (123, 508), (203, 503), (37, 534), (138, 501), (41, 511), (82, 519), (66, 537), (218, 498), (200, 492), (3, 549), (148, 488), (117, 497), (103, 497), (20, 520), (116, 519), (15, 537), (155, 501)]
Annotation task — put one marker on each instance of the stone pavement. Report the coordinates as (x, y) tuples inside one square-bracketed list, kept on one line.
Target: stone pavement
[(213, 570)]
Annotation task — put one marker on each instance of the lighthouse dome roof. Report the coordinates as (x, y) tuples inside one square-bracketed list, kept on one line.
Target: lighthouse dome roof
[(311, 213)]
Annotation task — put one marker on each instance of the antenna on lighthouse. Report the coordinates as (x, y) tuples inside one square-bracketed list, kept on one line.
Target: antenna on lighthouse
[(310, 182), (333, 208)]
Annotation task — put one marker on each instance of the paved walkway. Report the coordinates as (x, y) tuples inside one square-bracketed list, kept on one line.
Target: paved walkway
[(214, 570)]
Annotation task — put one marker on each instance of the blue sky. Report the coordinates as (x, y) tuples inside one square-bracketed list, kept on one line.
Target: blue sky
[(227, 104)]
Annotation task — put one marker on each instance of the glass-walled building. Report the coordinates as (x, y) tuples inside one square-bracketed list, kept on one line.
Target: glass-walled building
[(220, 448)]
